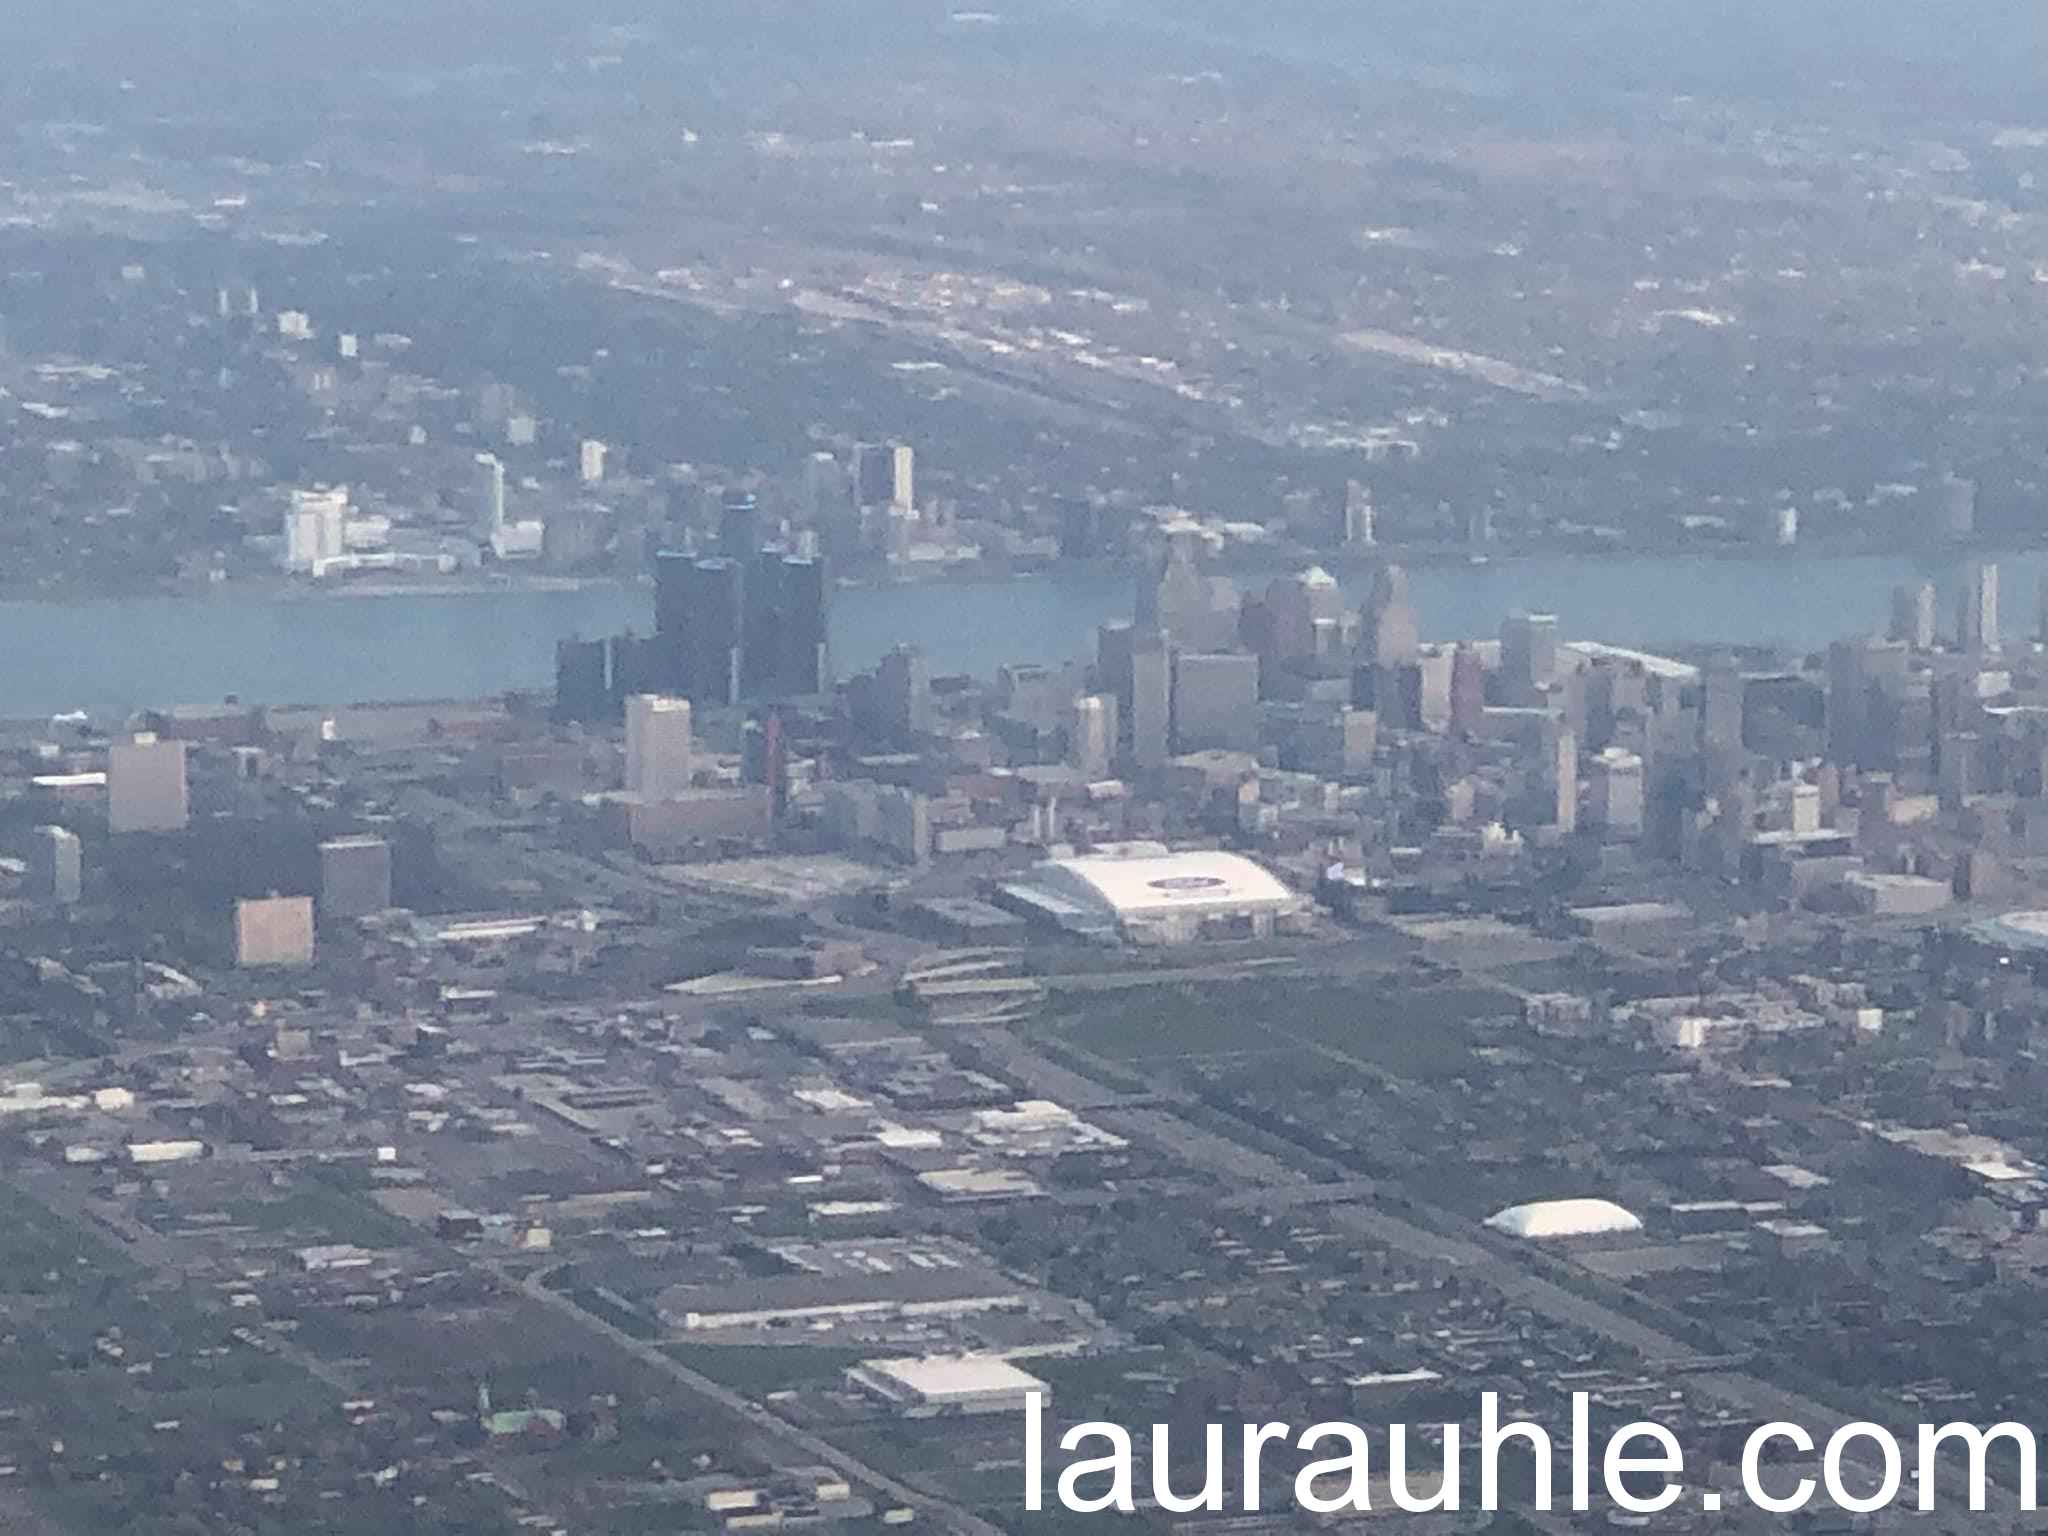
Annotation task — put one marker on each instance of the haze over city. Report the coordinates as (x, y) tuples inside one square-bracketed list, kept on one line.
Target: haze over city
[(747, 747)]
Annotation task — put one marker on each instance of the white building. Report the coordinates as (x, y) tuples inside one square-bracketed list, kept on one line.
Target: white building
[(146, 786), (1550, 1220), (1091, 735), (658, 747), (490, 491), (315, 528), (590, 461), (1616, 778), (1148, 894), (949, 1384)]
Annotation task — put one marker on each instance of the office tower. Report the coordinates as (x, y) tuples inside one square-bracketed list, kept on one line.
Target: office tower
[(884, 475), (1848, 704), (739, 525), (783, 633), (583, 680), (1425, 685), (590, 461), (1294, 606), (1528, 655), (1903, 615), (1134, 669), (1785, 527), (1721, 709), (902, 478), (1392, 636), (490, 492), (1358, 515), (146, 790), (274, 931), (873, 474), (1173, 596), (802, 598), (658, 747), (355, 877), (315, 528), (1926, 620), (1563, 776), (1958, 768), (698, 609), (1977, 628), (1468, 692), (1091, 735), (1617, 793), (903, 682), (1215, 701), (1358, 739), (56, 866)]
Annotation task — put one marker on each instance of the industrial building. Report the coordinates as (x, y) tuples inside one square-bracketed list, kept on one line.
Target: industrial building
[(948, 1384), (1146, 893)]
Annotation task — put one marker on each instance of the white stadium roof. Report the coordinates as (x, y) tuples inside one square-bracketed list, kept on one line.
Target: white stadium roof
[(1564, 1218), (1148, 881)]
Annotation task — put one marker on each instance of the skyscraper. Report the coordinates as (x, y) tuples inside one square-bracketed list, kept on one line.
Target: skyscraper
[(1721, 709), (658, 747), (1132, 661), (1358, 515), (698, 610), (739, 525), (1977, 629), (884, 474), (1528, 655), (904, 682), (1091, 735), (1468, 692), (1215, 701), (1564, 781), (590, 461), (1391, 633), (490, 493), (56, 866), (783, 630)]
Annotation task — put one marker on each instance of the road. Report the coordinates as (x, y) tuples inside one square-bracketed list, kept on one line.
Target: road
[(814, 1446)]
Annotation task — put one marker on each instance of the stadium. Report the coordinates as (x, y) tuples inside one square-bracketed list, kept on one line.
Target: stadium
[(1147, 894)]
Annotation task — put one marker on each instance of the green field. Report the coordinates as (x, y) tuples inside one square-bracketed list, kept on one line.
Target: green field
[(1412, 1032)]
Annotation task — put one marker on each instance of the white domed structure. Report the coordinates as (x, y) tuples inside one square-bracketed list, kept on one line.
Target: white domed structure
[(1548, 1220)]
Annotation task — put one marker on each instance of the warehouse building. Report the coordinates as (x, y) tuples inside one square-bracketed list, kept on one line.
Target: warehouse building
[(949, 1384)]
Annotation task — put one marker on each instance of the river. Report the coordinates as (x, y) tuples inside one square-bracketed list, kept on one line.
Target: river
[(111, 657)]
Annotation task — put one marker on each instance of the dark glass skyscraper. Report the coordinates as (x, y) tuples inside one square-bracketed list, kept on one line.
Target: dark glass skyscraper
[(727, 630), (699, 608)]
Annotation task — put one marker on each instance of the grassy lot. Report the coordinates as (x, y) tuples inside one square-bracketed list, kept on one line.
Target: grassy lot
[(758, 1369), (1413, 1032), (313, 1213)]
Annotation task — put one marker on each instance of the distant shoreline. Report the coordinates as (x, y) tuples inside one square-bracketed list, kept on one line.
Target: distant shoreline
[(1251, 560)]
